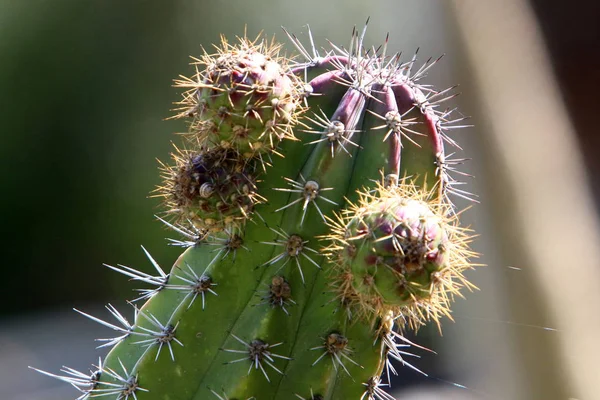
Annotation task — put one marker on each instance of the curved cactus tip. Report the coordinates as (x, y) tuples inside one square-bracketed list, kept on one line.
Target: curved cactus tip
[(399, 249)]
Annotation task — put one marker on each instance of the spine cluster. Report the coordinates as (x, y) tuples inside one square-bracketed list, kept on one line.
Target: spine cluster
[(397, 251), (303, 266)]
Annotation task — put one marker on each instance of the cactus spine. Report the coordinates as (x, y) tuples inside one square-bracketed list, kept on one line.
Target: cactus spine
[(313, 202)]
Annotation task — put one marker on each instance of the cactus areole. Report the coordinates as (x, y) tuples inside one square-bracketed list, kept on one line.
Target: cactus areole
[(313, 197)]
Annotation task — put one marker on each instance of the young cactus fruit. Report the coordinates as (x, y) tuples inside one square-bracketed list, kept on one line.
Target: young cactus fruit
[(396, 251), (313, 200)]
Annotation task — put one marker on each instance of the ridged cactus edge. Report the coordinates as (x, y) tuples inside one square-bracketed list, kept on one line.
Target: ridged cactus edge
[(312, 195)]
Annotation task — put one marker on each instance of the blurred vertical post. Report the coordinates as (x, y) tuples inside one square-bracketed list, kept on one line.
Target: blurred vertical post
[(550, 223)]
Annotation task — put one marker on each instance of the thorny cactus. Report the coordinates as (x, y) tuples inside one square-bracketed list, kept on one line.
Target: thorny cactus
[(313, 198)]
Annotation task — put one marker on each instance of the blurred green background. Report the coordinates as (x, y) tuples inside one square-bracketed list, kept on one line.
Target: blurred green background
[(85, 87)]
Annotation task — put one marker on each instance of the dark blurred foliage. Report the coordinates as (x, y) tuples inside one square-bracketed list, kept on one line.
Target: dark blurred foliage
[(82, 100)]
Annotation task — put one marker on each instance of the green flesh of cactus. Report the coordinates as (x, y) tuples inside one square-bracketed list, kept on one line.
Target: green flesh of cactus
[(316, 219)]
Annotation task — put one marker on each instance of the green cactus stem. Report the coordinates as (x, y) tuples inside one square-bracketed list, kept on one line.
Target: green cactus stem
[(313, 202)]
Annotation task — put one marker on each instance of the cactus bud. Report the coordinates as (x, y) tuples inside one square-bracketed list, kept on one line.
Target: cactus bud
[(399, 250), (213, 189), (244, 99)]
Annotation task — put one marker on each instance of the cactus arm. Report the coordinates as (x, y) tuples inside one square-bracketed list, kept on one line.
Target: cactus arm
[(201, 341), (328, 172), (307, 373), (304, 375), (330, 165), (299, 258)]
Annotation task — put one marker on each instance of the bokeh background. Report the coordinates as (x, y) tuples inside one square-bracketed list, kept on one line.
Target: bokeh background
[(85, 87)]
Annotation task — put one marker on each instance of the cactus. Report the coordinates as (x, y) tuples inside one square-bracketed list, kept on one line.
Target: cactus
[(313, 200)]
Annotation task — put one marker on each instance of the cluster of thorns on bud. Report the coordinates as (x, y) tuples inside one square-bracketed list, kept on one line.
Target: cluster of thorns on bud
[(212, 189), (396, 250)]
